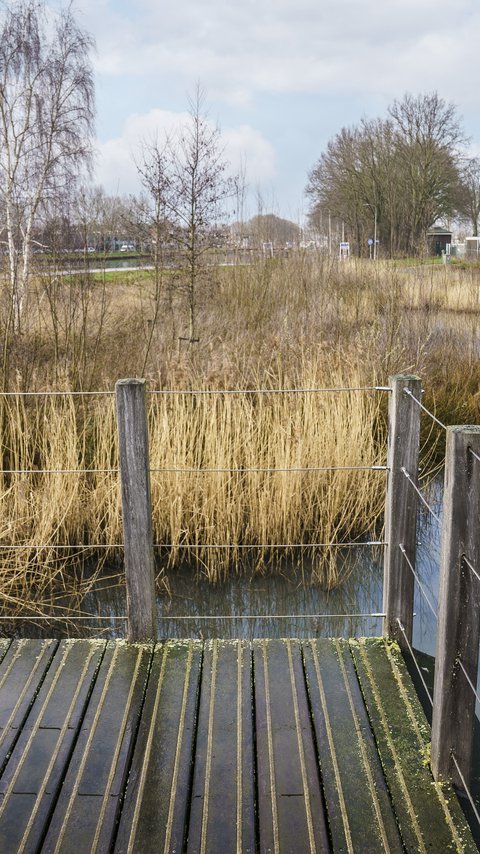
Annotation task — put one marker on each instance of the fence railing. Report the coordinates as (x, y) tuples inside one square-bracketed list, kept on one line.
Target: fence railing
[(458, 618), (458, 631)]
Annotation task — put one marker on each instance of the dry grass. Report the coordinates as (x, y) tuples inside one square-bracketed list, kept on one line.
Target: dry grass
[(302, 323)]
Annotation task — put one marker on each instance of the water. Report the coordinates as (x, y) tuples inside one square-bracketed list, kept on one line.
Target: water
[(276, 604), (280, 604)]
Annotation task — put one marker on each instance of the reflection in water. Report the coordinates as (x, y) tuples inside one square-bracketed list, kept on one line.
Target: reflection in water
[(276, 604), (428, 569)]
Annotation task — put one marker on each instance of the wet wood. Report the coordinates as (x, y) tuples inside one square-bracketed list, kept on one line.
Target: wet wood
[(136, 509), (359, 807), (458, 631), (429, 817), (228, 746), (401, 506), (223, 793)]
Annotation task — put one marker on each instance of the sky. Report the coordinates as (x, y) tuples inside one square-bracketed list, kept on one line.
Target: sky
[(281, 77)]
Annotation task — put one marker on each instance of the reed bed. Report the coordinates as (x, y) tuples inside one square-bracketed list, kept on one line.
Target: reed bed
[(60, 486), (303, 322)]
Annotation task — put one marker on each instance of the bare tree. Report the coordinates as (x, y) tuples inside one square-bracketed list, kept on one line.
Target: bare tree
[(188, 181), (405, 168), (469, 203), (46, 123)]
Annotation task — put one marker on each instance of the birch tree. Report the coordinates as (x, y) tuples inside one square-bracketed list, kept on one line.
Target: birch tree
[(46, 124)]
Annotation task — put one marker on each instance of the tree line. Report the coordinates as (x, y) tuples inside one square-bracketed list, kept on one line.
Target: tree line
[(401, 173)]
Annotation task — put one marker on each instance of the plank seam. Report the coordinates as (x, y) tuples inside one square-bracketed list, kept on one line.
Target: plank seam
[(422, 743), (118, 745), (73, 745), (239, 746), (56, 750), (34, 731), (45, 644), (333, 755), (363, 751), (254, 750), (181, 728), (301, 752), (148, 750), (271, 761), (193, 754), (83, 760), (316, 747), (128, 766), (208, 765)]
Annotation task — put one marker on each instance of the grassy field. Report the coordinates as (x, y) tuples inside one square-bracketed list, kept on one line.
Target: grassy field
[(302, 322)]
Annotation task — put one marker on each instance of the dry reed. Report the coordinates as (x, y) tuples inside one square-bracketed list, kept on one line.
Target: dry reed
[(306, 321)]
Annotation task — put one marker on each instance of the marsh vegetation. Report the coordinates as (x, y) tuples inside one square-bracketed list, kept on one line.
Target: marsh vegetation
[(305, 322)]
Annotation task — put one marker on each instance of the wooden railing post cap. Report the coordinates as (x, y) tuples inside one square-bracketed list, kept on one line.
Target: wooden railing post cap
[(405, 378), (464, 428), (131, 381)]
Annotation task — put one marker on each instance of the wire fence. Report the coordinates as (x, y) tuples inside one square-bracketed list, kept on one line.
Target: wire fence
[(419, 582), (465, 561), (424, 408), (420, 495), (197, 548), (415, 661), (80, 550)]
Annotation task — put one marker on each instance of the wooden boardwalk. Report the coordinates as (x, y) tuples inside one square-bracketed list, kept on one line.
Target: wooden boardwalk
[(217, 747)]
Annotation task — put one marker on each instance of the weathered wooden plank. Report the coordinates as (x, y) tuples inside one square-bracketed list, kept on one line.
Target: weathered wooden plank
[(222, 816), (290, 806), (456, 658), (401, 506), (35, 769), (4, 647), (86, 811), (21, 672), (136, 509), (156, 804), (429, 817), (360, 814)]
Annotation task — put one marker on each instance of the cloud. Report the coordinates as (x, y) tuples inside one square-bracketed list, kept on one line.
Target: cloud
[(244, 147), (259, 46)]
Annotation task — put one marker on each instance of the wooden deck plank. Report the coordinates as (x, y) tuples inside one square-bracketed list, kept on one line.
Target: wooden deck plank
[(222, 816), (156, 805), (5, 644), (429, 817), (229, 746), (99, 765), (35, 769), (359, 809), (290, 806), (22, 670)]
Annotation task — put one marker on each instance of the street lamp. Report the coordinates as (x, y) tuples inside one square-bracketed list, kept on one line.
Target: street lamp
[(374, 209)]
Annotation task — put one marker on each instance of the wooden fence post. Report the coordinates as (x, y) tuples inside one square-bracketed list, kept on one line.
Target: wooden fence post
[(401, 507), (459, 609), (137, 511)]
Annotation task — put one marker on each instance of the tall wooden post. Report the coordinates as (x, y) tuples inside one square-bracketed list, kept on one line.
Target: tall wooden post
[(401, 507), (459, 609), (137, 511)]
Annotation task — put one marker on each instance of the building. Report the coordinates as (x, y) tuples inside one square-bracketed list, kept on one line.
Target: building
[(438, 239)]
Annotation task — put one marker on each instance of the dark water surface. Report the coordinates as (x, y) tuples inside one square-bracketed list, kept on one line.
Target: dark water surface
[(281, 603)]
